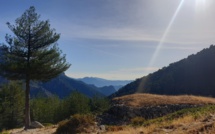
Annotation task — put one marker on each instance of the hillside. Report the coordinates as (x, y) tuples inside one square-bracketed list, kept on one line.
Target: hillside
[(150, 106), (62, 86), (193, 75), (107, 90), (146, 100), (148, 113)]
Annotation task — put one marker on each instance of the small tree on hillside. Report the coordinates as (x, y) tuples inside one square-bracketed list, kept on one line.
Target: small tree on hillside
[(32, 54)]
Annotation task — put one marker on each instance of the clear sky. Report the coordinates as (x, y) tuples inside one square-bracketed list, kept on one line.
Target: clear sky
[(121, 39)]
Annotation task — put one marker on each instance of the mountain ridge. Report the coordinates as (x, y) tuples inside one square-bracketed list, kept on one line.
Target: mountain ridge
[(192, 75)]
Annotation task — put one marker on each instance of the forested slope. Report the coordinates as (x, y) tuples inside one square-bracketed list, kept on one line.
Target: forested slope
[(192, 75)]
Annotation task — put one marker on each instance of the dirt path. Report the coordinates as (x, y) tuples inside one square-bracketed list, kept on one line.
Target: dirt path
[(46, 130)]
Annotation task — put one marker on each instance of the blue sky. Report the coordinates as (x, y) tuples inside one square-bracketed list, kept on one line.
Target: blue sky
[(121, 39)]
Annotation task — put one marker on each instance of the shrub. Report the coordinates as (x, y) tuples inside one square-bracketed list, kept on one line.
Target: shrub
[(4, 132), (76, 124), (137, 121), (99, 104)]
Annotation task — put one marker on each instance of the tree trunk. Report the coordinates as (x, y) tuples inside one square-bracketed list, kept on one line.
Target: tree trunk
[(27, 106), (27, 92)]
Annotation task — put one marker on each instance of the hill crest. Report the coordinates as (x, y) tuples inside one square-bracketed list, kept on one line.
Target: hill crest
[(145, 100)]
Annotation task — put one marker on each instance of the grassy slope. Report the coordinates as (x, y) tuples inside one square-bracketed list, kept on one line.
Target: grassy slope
[(141, 100), (191, 120), (185, 121)]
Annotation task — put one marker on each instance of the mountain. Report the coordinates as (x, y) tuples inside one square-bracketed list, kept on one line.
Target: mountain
[(61, 86), (107, 90), (99, 82), (193, 75)]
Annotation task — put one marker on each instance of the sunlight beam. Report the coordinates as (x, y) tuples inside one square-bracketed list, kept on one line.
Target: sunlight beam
[(160, 44)]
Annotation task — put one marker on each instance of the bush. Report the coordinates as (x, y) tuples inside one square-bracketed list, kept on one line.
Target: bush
[(99, 104), (76, 124), (137, 121), (4, 132)]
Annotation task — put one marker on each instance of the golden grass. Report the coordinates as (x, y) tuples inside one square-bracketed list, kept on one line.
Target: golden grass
[(140, 100), (187, 121), (174, 124), (157, 127)]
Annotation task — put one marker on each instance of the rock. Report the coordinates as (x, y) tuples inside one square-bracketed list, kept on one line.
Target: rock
[(102, 128), (36, 124)]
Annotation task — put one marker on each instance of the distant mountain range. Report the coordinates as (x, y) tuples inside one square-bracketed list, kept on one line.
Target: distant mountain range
[(63, 85), (99, 82), (193, 75)]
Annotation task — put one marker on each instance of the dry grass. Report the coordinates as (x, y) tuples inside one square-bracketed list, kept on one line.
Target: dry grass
[(186, 121), (180, 122), (140, 100), (174, 127)]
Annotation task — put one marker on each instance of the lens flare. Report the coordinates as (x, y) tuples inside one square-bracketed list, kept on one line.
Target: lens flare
[(160, 44)]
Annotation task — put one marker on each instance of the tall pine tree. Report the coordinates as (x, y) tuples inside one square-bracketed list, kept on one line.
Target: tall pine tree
[(31, 54)]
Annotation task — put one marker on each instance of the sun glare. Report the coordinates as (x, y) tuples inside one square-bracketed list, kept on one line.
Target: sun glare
[(160, 44), (200, 4)]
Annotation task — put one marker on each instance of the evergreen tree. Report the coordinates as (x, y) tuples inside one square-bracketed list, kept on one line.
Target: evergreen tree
[(11, 105), (44, 109), (75, 103), (99, 104), (31, 54)]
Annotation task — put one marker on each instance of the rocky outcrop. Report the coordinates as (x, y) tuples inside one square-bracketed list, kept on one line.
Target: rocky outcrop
[(36, 124), (122, 114)]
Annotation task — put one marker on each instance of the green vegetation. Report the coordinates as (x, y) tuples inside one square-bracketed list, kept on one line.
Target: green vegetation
[(195, 113), (99, 104), (11, 106), (31, 54), (53, 110), (4, 132), (137, 121), (45, 110)]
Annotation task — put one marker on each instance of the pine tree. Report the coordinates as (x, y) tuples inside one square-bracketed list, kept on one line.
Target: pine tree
[(11, 105), (31, 54)]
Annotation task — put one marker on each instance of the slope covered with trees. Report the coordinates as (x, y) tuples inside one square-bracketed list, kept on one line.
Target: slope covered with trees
[(192, 75), (62, 86), (44, 109)]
